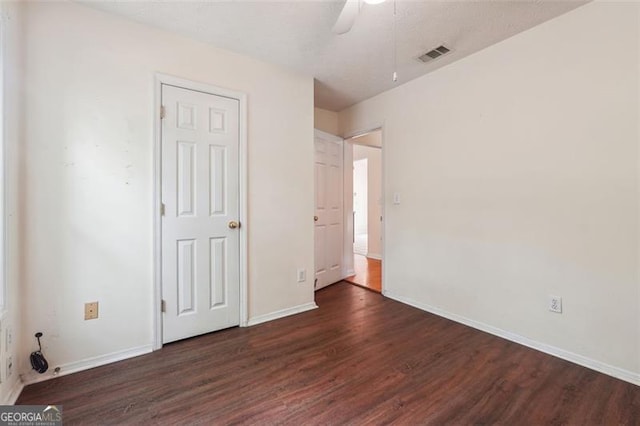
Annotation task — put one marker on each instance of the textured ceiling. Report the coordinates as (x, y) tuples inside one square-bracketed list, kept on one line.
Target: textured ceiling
[(354, 66)]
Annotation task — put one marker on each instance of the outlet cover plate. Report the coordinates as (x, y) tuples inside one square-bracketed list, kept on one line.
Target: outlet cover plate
[(555, 304), (90, 310)]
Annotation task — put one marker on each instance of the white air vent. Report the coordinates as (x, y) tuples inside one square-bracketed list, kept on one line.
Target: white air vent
[(434, 54)]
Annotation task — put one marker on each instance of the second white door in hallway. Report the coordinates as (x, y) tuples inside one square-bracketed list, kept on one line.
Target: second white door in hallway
[(328, 217)]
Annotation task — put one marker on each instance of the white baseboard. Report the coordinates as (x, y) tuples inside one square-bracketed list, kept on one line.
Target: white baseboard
[(619, 373), (349, 273), (282, 313), (85, 364), (14, 393), (375, 256)]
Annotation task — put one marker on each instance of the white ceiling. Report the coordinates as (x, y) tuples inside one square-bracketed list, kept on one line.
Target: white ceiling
[(354, 66)]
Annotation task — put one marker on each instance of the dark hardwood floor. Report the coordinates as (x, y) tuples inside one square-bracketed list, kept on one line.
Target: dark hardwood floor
[(358, 359)]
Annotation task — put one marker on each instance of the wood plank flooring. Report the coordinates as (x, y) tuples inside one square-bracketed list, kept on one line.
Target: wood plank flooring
[(358, 359), (368, 273)]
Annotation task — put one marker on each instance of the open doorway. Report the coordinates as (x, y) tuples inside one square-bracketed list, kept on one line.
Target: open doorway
[(360, 204), (367, 205)]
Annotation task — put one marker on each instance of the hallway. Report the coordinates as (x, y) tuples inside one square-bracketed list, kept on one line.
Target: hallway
[(368, 273)]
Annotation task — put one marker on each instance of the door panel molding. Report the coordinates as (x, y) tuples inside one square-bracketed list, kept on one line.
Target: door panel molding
[(159, 81)]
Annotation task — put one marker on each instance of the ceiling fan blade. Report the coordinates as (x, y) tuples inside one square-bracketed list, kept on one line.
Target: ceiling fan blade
[(347, 17)]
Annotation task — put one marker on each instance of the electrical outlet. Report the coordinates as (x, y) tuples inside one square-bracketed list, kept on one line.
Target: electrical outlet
[(302, 275), (90, 310), (555, 304)]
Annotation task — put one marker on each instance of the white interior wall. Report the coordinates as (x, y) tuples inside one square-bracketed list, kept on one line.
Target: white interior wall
[(360, 199), (325, 120), (11, 15), (375, 203), (517, 169), (88, 179), (373, 138), (374, 196), (347, 180)]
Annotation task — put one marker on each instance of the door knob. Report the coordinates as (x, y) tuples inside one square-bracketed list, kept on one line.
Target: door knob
[(315, 218), (233, 224)]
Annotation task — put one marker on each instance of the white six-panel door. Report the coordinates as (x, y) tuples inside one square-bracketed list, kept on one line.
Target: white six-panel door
[(328, 217), (200, 194)]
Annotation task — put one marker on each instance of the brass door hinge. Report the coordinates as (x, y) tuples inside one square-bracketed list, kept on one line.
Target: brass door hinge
[(163, 306), (161, 209), (163, 112)]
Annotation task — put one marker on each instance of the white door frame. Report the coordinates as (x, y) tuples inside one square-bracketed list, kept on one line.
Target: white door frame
[(161, 79), (347, 235)]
